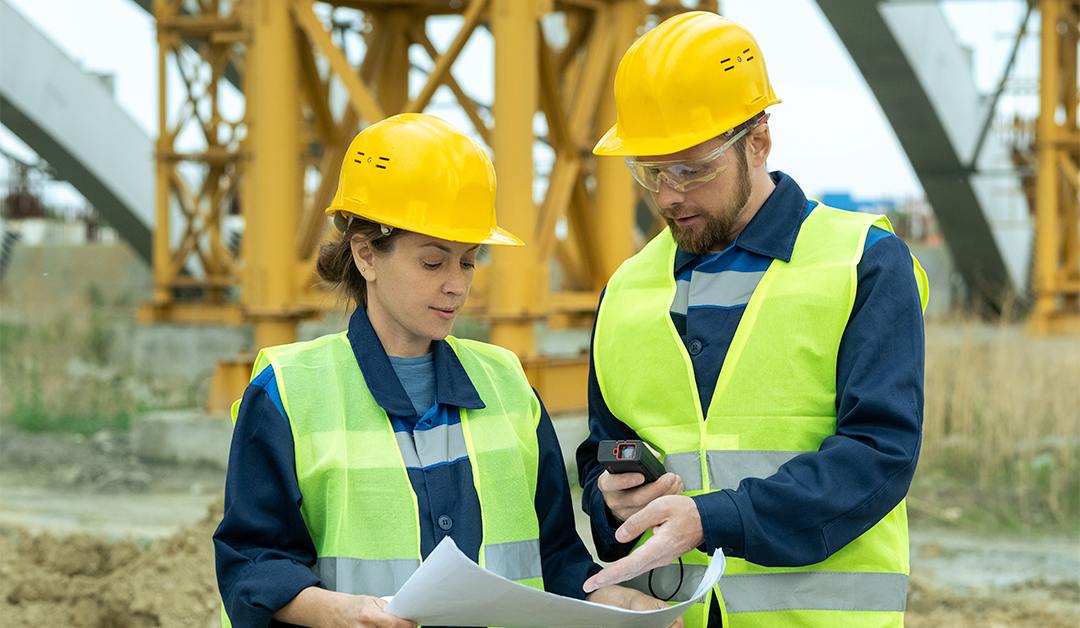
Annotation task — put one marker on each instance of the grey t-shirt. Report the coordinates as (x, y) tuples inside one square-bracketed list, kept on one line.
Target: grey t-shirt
[(417, 376)]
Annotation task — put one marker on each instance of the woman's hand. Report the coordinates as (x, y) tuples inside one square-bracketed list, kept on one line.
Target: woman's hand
[(364, 611), (320, 608), (630, 599)]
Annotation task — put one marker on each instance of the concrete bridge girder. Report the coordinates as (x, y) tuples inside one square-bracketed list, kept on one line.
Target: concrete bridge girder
[(944, 71), (922, 79), (71, 120)]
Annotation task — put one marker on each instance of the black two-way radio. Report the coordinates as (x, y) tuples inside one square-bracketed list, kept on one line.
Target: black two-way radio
[(629, 456)]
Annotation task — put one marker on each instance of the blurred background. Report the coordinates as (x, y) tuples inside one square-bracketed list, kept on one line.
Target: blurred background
[(164, 165)]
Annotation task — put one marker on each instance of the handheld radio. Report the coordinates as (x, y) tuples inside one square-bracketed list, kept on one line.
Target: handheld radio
[(629, 456)]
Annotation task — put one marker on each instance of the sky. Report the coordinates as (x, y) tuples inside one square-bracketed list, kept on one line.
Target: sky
[(814, 140)]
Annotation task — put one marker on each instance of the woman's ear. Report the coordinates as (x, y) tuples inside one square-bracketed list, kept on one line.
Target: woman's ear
[(760, 145), (364, 258)]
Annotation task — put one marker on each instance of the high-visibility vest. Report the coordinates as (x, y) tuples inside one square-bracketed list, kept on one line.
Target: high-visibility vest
[(359, 505), (774, 399)]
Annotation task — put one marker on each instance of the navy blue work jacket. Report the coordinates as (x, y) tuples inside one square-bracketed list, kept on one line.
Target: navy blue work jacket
[(262, 546), (859, 474)]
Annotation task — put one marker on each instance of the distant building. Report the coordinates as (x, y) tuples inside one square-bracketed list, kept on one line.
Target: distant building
[(913, 219)]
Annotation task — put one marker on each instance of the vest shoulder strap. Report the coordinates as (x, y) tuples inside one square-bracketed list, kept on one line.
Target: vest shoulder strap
[(269, 355)]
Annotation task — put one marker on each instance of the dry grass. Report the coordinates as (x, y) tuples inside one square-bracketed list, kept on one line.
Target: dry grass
[(62, 372), (55, 376), (1001, 444), (1001, 435)]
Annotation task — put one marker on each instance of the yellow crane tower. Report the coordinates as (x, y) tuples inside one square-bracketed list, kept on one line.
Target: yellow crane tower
[(1056, 203), (251, 122), (275, 153)]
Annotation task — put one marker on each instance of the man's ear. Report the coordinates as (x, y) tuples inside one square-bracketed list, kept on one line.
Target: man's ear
[(759, 145), (363, 257)]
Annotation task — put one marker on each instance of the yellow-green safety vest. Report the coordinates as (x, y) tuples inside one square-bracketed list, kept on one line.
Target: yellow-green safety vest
[(359, 505), (774, 399)]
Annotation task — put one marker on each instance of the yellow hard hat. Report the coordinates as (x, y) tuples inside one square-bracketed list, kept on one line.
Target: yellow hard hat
[(693, 77), (416, 172)]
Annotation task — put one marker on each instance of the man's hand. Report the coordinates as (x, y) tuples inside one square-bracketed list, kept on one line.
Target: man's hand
[(676, 527), (630, 599), (625, 493)]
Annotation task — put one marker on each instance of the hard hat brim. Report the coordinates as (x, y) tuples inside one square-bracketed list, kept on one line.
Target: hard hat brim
[(502, 236), (498, 236), (614, 145)]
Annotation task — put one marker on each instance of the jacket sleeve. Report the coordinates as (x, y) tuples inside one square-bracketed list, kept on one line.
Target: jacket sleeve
[(602, 426), (565, 560), (262, 547), (818, 502)]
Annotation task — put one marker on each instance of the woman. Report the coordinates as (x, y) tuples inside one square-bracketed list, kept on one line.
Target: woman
[(354, 454)]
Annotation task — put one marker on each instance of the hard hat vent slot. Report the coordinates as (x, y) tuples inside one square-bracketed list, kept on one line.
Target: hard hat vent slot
[(368, 160), (729, 67)]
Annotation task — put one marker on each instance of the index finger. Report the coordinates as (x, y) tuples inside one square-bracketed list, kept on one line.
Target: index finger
[(638, 562), (619, 481)]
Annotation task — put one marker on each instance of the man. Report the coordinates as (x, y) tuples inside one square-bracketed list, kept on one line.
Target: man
[(770, 348)]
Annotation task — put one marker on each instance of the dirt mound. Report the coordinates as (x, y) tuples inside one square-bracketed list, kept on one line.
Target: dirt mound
[(1032, 605), (167, 581), (83, 580)]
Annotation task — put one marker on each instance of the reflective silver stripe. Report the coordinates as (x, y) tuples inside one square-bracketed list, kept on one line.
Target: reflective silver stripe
[(686, 465), (440, 444), (408, 450), (682, 297), (730, 288), (364, 576), (727, 468), (666, 578), (427, 448), (815, 591), (516, 560)]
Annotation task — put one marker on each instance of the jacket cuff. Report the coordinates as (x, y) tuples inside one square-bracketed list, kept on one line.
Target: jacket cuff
[(720, 523), (263, 589)]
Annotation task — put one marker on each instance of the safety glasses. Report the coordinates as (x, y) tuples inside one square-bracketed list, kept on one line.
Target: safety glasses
[(683, 174)]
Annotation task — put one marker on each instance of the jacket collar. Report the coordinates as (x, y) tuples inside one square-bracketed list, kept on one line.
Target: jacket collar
[(772, 231), (452, 384)]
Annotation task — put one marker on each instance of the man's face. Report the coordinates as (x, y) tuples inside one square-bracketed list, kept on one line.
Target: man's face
[(706, 218)]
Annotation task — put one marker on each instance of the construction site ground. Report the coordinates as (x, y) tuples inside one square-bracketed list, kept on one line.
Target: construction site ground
[(90, 535)]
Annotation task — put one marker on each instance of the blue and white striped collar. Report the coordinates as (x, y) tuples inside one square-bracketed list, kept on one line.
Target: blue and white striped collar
[(452, 384)]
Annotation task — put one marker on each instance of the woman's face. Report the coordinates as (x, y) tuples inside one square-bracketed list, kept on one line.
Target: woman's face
[(415, 292)]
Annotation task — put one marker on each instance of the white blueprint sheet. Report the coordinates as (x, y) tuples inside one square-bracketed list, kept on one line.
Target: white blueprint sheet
[(450, 590)]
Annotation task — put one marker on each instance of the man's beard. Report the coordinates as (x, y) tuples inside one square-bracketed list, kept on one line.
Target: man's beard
[(720, 224)]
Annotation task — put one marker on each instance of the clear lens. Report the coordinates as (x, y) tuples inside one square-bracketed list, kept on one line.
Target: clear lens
[(682, 175)]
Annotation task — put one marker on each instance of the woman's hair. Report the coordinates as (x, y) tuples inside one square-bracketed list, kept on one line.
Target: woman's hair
[(335, 264)]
